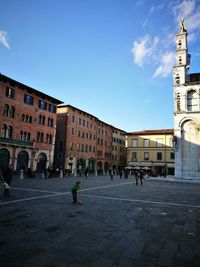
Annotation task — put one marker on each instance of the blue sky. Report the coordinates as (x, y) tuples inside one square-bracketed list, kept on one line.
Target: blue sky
[(111, 58)]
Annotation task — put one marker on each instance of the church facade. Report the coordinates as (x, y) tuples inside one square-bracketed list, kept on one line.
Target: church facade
[(186, 111)]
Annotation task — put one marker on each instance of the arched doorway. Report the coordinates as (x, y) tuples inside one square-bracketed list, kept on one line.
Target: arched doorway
[(42, 162), (80, 166), (91, 166), (4, 158), (22, 161), (190, 147), (99, 168)]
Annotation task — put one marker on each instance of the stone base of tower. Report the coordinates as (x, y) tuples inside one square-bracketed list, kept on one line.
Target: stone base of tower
[(187, 175)]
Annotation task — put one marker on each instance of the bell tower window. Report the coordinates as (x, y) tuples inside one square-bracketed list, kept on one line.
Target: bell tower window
[(192, 100), (177, 79)]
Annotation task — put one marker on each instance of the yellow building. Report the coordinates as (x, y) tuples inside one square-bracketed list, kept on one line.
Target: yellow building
[(118, 149), (151, 150)]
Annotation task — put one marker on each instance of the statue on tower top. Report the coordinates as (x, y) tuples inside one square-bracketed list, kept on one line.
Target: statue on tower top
[(182, 26)]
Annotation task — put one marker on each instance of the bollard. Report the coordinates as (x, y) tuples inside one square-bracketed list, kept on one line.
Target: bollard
[(61, 173), (21, 174)]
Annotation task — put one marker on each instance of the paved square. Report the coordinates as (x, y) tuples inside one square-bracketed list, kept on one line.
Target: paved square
[(118, 224)]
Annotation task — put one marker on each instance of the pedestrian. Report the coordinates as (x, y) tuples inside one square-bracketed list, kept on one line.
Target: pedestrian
[(86, 173), (74, 188), (141, 176), (136, 177), (6, 192), (7, 174), (111, 175)]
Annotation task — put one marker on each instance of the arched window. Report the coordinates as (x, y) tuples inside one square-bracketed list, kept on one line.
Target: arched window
[(5, 111), (9, 132), (11, 112), (177, 79), (180, 60), (3, 130), (192, 100), (179, 44)]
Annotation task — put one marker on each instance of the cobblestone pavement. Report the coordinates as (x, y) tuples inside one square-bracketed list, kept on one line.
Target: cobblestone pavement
[(118, 223)]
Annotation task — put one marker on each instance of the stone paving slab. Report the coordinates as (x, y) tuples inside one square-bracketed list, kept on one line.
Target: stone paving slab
[(118, 224)]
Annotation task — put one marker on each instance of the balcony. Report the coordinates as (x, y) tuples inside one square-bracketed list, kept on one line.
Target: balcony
[(14, 142)]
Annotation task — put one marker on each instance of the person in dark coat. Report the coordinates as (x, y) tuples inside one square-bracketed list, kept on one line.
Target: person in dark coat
[(7, 174)]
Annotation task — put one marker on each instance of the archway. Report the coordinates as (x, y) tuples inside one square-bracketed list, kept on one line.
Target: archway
[(22, 161), (91, 166), (80, 165), (4, 158), (42, 162), (99, 168), (190, 147)]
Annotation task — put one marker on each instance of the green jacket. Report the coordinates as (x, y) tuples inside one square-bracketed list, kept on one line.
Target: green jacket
[(75, 187)]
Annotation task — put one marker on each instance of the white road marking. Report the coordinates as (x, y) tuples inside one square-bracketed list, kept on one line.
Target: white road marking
[(95, 196), (144, 201)]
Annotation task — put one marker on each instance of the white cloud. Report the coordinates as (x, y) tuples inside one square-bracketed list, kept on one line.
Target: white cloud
[(167, 62), (189, 10), (143, 48), (4, 39)]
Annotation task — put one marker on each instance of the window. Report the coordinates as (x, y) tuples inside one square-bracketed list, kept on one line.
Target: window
[(40, 137), (5, 110), (159, 142), (10, 92), (72, 131), (52, 108), (192, 100), (28, 99), (6, 131), (73, 118), (159, 155), (146, 142), (134, 156), (146, 155), (172, 155), (134, 142), (59, 155), (79, 121), (42, 104)]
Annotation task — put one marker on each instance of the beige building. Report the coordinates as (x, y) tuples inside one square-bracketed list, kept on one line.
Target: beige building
[(151, 149), (118, 149)]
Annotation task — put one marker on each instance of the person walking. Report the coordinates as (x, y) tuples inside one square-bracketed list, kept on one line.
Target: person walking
[(111, 175), (86, 173), (74, 188), (6, 192), (141, 176), (136, 177), (7, 174)]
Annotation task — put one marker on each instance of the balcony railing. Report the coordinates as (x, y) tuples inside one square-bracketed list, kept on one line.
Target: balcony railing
[(15, 142)]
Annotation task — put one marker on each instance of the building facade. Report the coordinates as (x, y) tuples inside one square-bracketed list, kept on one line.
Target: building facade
[(186, 111), (152, 150), (118, 149), (82, 141), (28, 126)]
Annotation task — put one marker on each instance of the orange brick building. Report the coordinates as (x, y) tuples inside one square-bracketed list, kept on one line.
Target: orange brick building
[(82, 140), (28, 126)]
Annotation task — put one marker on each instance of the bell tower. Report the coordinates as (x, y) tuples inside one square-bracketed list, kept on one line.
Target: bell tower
[(186, 111), (180, 73)]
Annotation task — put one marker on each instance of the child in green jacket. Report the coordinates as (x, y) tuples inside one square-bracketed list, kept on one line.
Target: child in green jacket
[(74, 188)]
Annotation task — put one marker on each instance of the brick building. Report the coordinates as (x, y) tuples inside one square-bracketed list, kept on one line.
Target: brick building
[(82, 140), (28, 126)]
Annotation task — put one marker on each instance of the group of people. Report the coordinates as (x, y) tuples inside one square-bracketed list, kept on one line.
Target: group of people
[(6, 178)]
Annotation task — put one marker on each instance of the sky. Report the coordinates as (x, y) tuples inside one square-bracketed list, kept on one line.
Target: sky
[(110, 58)]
